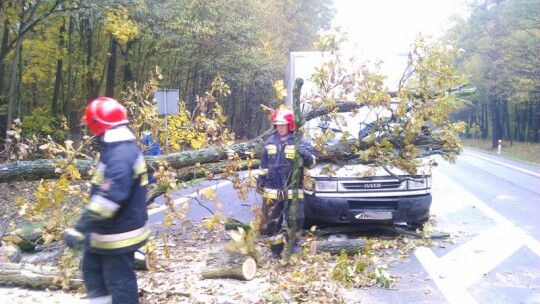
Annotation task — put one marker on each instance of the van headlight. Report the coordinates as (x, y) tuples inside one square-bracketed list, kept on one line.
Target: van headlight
[(417, 183), (326, 186)]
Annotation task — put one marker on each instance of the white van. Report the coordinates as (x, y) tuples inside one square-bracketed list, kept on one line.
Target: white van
[(355, 192), (360, 193)]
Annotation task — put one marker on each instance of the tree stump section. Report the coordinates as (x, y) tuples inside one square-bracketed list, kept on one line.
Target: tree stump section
[(350, 246), (229, 265), (35, 276)]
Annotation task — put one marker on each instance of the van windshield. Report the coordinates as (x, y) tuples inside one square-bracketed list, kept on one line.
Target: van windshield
[(346, 125)]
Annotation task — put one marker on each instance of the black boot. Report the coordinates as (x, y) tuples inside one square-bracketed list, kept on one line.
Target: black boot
[(276, 250)]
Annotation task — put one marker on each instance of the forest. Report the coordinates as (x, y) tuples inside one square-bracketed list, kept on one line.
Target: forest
[(56, 56), (501, 44), (228, 59)]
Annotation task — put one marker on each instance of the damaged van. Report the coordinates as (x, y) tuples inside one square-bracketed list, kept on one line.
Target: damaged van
[(350, 191)]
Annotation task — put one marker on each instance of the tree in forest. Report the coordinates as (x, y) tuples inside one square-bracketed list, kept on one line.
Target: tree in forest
[(500, 40), (18, 19), (78, 50)]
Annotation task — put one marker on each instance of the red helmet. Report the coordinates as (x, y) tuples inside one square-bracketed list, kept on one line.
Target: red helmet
[(103, 113), (283, 117)]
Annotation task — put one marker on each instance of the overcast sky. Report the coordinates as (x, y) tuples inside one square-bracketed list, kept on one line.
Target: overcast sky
[(384, 29), (389, 26)]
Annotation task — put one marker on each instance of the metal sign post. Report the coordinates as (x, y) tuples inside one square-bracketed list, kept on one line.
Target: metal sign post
[(167, 103)]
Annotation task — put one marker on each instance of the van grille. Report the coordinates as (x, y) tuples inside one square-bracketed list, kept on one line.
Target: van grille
[(373, 205), (371, 185)]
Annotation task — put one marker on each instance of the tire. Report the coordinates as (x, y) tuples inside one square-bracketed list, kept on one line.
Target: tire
[(418, 224), (308, 223)]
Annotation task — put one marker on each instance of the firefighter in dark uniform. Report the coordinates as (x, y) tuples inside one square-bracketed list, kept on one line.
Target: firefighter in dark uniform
[(275, 179), (113, 224)]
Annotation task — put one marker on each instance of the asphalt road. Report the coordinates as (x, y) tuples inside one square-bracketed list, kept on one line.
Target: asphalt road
[(490, 207)]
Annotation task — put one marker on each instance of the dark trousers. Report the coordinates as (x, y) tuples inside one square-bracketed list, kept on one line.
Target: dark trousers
[(111, 275), (273, 211)]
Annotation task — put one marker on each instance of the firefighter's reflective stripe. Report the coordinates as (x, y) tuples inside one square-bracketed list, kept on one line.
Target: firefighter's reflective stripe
[(278, 194), (120, 240), (139, 169), (263, 172), (289, 151), (314, 163), (99, 175), (276, 239), (271, 149), (102, 206)]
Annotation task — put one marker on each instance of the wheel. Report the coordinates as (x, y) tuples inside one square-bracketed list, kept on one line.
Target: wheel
[(308, 223), (418, 224)]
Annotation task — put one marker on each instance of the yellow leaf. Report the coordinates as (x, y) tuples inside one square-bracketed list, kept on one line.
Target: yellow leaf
[(209, 194)]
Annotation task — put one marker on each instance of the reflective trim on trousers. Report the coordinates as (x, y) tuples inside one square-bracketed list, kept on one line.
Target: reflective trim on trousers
[(278, 194), (119, 240)]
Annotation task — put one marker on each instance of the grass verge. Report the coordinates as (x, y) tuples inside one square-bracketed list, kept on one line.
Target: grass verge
[(521, 151)]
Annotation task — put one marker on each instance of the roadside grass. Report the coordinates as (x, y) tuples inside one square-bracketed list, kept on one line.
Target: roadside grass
[(526, 152)]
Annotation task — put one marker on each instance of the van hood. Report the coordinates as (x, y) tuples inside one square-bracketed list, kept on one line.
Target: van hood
[(360, 170)]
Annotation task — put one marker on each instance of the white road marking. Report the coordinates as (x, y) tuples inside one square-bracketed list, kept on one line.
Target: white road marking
[(456, 271), (186, 198), (195, 194), (502, 164)]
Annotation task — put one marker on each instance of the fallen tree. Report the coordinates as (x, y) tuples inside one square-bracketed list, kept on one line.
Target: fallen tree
[(35, 276), (189, 163)]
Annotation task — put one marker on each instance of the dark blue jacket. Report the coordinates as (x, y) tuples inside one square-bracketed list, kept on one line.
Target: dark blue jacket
[(277, 162), (150, 147), (115, 218)]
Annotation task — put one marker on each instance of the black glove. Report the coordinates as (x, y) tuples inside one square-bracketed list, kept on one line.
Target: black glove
[(90, 218), (304, 151), (73, 238), (261, 180)]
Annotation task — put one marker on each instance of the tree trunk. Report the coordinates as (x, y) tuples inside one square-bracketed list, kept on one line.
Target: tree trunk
[(495, 117), (45, 168), (58, 79), (91, 86), (229, 265), (350, 246), (111, 69), (35, 276), (3, 50), (128, 72), (11, 95)]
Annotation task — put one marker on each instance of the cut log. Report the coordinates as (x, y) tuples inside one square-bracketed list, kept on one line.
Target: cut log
[(35, 276), (10, 253), (229, 265), (350, 246)]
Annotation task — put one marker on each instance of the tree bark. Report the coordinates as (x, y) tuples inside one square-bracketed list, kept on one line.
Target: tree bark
[(59, 70), (229, 265), (111, 69), (45, 168), (34, 276), (350, 246)]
